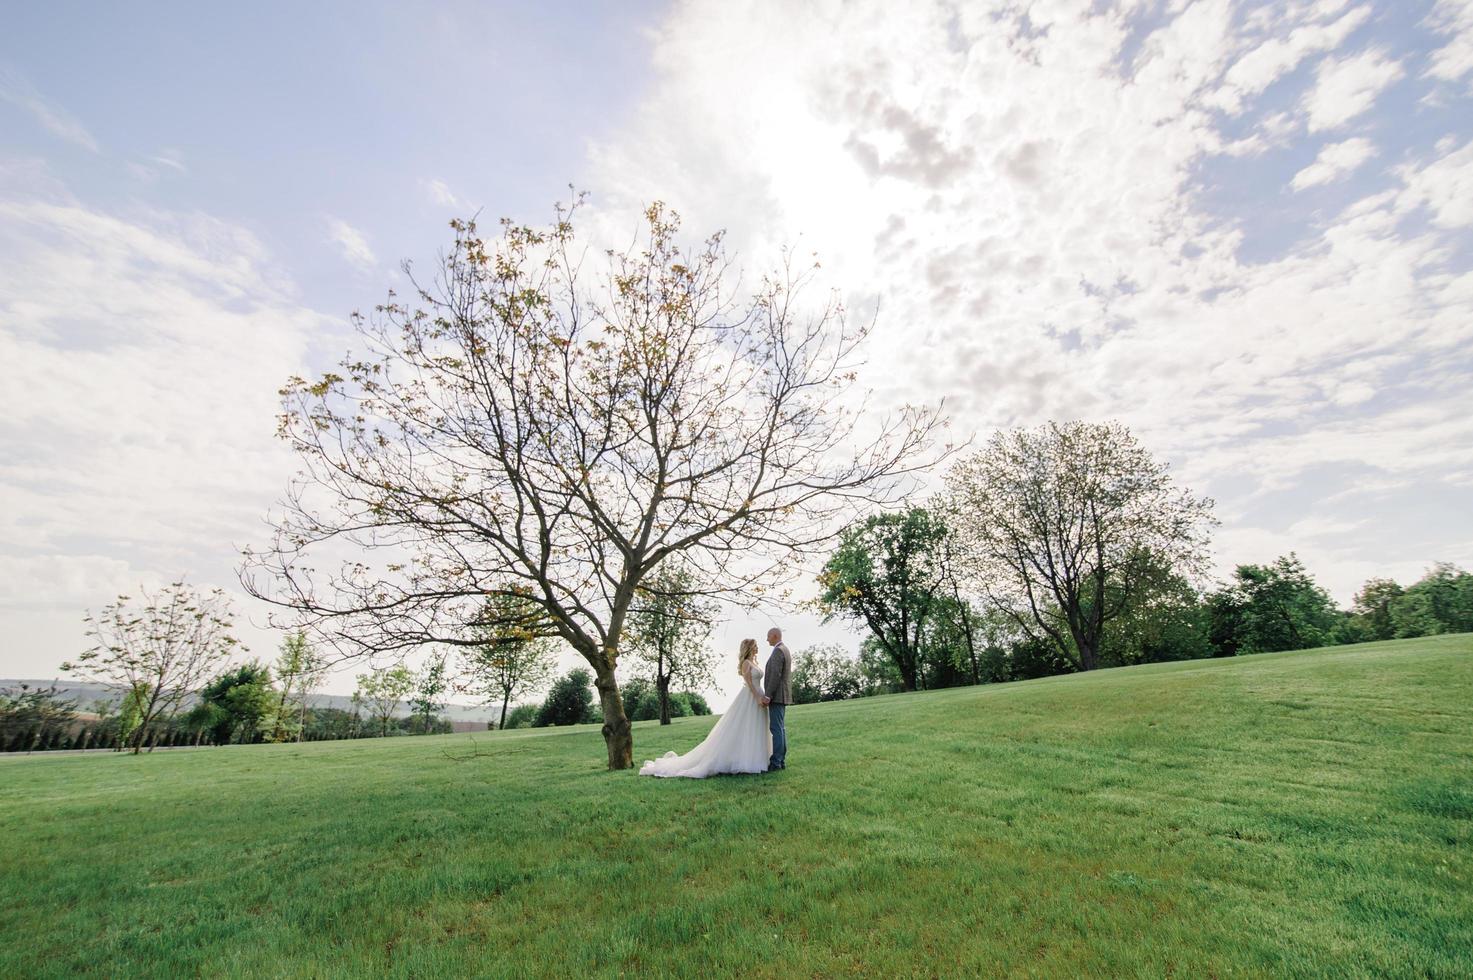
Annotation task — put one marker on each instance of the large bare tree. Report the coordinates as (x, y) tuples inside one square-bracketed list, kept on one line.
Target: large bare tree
[(1064, 526), (529, 423)]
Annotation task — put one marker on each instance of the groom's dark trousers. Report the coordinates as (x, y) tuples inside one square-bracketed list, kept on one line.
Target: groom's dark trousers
[(775, 714)]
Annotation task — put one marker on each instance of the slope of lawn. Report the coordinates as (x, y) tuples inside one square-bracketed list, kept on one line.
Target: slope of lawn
[(1304, 813)]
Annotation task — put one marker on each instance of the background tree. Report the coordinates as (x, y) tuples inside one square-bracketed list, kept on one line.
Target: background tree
[(1273, 607), (430, 685), (886, 575), (29, 716), (531, 420), (515, 657), (669, 628), (1165, 620), (204, 718), (1371, 610), (130, 715), (523, 716), (383, 691), (824, 672), (245, 703), (877, 671), (159, 649), (960, 618), (298, 670), (1063, 526), (355, 724), (1439, 602), (569, 702), (642, 701)]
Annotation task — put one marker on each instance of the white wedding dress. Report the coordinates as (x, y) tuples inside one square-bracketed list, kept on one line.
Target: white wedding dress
[(739, 742)]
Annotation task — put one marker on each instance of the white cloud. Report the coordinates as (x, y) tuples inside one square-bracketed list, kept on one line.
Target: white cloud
[(1454, 20), (1280, 53), (1444, 187), (1346, 87), (142, 358), (353, 243), (1335, 160), (1030, 216), (440, 193), (20, 93)]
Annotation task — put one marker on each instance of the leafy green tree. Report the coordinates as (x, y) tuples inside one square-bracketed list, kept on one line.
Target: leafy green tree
[(642, 701), (205, 718), (513, 656), (1439, 602), (1166, 620), (877, 671), (299, 669), (158, 651), (522, 716), (569, 702), (131, 714), (430, 685), (669, 625), (1273, 607), (1063, 526), (1371, 610), (639, 696), (356, 718), (1414, 614), (30, 716), (886, 575), (246, 703), (824, 672), (383, 691)]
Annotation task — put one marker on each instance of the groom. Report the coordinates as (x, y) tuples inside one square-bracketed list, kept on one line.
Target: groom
[(777, 684)]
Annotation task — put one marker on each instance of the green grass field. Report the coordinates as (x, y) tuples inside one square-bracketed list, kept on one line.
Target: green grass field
[(1305, 813)]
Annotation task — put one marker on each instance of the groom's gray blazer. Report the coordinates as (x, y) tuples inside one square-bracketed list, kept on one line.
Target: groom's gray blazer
[(777, 682)]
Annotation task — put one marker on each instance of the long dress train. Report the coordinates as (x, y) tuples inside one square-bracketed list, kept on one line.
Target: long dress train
[(739, 742)]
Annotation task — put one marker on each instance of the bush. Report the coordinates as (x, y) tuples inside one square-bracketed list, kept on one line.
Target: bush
[(522, 716), (570, 702), (642, 701)]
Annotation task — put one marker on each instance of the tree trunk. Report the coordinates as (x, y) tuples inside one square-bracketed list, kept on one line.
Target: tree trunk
[(501, 725), (663, 685), (618, 736), (1086, 655), (908, 663), (971, 647)]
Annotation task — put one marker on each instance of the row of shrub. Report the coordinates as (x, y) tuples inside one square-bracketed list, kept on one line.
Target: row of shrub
[(571, 701)]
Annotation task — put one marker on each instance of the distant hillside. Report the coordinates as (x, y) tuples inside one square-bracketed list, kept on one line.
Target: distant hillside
[(86, 694)]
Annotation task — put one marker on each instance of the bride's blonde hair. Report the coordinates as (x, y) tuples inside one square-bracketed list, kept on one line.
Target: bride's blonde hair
[(748, 652)]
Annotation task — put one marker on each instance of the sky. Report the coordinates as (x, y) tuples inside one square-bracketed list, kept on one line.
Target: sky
[(1245, 230)]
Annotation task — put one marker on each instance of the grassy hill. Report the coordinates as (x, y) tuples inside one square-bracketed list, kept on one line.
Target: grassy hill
[(1305, 813)]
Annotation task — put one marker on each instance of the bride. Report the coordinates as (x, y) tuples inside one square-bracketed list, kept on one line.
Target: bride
[(740, 741)]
